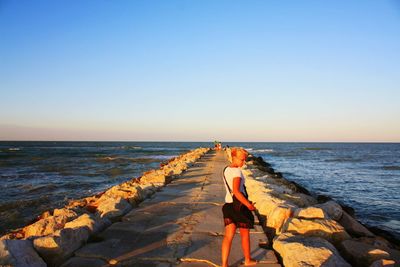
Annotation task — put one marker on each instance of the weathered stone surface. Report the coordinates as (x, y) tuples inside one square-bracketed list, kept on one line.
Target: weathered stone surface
[(148, 190), (112, 208), (362, 254), (45, 226), (154, 177), (68, 213), (383, 263), (19, 253), (93, 223), (278, 217), (266, 203), (325, 228), (298, 199), (333, 209), (130, 192), (84, 262), (58, 247), (303, 251), (310, 213), (376, 241), (353, 227)]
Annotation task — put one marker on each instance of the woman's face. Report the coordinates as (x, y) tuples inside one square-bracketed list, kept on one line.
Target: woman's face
[(241, 158)]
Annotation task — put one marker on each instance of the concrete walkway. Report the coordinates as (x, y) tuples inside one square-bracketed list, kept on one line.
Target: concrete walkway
[(181, 225)]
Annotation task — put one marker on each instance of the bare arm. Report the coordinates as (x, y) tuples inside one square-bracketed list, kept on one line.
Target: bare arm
[(239, 195)]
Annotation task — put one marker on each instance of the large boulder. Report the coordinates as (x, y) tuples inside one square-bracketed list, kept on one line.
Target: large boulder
[(302, 200), (304, 251), (310, 213), (278, 216), (266, 203), (128, 191), (353, 227), (324, 228), (383, 263), (45, 226), (68, 213), (333, 209), (112, 208), (362, 254), (19, 253), (93, 223), (58, 247), (154, 177)]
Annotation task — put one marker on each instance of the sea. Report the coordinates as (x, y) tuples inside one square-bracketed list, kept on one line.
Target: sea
[(40, 176)]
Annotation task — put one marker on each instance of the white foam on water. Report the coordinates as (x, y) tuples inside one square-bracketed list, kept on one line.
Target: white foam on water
[(267, 150)]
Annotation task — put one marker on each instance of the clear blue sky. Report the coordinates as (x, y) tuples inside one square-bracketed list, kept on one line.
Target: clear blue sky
[(200, 70)]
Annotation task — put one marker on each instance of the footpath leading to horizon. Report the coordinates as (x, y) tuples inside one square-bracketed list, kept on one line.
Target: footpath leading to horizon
[(181, 225)]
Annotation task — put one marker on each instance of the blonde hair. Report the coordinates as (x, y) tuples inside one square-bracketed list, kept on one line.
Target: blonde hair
[(238, 150)]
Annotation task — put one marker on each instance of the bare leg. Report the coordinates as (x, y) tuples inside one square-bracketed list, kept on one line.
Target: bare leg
[(245, 236), (230, 230)]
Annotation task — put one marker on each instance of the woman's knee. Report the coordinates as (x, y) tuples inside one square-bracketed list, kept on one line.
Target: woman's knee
[(230, 230)]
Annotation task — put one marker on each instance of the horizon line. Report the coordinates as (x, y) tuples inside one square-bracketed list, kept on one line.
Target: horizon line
[(211, 141)]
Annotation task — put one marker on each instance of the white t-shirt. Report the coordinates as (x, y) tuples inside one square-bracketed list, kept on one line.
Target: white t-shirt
[(231, 173)]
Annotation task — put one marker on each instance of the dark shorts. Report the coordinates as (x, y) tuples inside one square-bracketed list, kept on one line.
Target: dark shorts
[(242, 219)]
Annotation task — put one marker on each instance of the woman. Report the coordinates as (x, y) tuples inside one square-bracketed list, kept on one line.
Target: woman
[(235, 217)]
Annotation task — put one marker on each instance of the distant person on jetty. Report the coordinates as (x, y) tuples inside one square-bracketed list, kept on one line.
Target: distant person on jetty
[(237, 208)]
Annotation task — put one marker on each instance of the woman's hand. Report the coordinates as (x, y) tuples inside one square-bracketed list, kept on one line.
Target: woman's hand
[(251, 206)]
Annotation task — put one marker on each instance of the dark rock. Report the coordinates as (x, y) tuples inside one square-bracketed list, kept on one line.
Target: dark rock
[(301, 189), (348, 209), (323, 198), (383, 233)]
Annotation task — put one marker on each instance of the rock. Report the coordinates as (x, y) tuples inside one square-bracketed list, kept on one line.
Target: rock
[(92, 222), (299, 199), (267, 204), (68, 213), (112, 208), (362, 254), (324, 228), (383, 263), (278, 217), (333, 209), (303, 251), (353, 227), (84, 262), (58, 247), (131, 193), (19, 253), (45, 226), (310, 213), (376, 241), (154, 177), (147, 190)]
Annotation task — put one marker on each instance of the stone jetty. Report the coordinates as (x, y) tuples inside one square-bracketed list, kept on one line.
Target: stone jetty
[(172, 217), (306, 232)]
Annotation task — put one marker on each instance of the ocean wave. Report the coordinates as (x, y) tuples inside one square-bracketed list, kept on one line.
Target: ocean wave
[(391, 168), (316, 148), (129, 147), (162, 157), (21, 203), (265, 150), (344, 159)]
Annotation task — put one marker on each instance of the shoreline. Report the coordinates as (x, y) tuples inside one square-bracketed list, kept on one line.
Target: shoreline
[(321, 198), (295, 220), (57, 234), (293, 215)]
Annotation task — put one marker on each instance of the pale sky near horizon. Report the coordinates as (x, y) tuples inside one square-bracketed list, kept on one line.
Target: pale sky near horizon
[(200, 70)]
